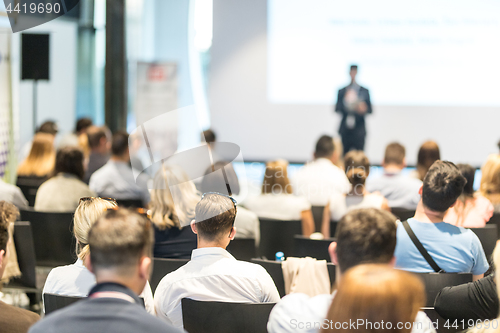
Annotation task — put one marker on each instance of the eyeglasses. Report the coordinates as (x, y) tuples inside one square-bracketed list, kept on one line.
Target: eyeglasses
[(232, 200), (92, 198)]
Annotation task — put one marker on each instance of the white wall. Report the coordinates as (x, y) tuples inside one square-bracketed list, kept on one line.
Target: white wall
[(241, 113)]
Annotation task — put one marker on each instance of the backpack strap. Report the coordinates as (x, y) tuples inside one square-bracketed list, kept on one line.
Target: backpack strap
[(421, 248)]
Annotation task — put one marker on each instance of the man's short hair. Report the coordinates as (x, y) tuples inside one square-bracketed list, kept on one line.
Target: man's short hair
[(118, 239), (324, 147), (8, 214), (365, 236), (394, 153), (209, 136), (443, 184), (119, 143), (354, 67), (95, 135), (83, 124), (214, 216), (70, 160)]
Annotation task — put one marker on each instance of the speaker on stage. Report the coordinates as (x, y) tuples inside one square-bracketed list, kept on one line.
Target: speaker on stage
[(35, 57)]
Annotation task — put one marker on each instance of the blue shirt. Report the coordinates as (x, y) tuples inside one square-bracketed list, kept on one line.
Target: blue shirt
[(400, 191), (454, 249)]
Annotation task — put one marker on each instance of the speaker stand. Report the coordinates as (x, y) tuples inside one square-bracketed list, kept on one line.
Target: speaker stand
[(35, 103)]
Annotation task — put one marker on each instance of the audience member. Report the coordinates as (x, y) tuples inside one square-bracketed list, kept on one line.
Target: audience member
[(490, 181), (39, 164), (475, 301), (209, 136), (48, 127), (357, 168), (471, 210), (451, 249), (12, 319), (78, 137), (99, 141), (121, 244), (77, 279), (247, 222), (363, 236), (62, 192), (320, 179), (427, 154), (377, 298), (116, 178), (172, 210), (12, 194), (399, 190), (277, 200), (213, 274)]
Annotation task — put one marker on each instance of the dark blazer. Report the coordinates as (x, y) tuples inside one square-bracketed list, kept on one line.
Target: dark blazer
[(110, 315), (360, 119), (473, 300)]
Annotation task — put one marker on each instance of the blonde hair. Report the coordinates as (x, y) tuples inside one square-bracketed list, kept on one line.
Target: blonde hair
[(490, 176), (376, 293), (41, 159), (276, 175), (174, 206), (86, 214)]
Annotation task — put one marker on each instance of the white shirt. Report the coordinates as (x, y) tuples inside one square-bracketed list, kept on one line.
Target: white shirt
[(77, 280), (301, 313), (116, 180), (340, 204), (247, 225), (278, 206), (212, 275), (319, 180), (12, 194)]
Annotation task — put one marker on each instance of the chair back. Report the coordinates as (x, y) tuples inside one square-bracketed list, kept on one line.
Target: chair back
[(276, 272), (242, 248), (276, 236), (224, 317), (29, 186), (130, 203), (434, 282), (333, 228), (162, 267), (402, 213), (25, 250), (54, 302), (488, 236), (52, 237), (317, 212), (495, 219), (315, 248)]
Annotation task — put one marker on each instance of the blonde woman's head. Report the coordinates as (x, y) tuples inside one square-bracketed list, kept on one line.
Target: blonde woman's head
[(276, 178), (42, 157), (86, 214), (490, 176), (173, 198)]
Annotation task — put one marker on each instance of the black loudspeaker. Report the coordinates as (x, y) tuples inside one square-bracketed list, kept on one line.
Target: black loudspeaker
[(35, 56)]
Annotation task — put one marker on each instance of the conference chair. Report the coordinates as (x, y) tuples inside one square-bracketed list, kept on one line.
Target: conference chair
[(242, 248), (495, 219), (402, 213), (315, 248), (317, 212), (52, 237), (225, 317), (277, 236), (29, 186), (162, 267), (434, 282), (488, 236), (276, 272), (130, 203), (54, 302), (333, 228), (27, 282)]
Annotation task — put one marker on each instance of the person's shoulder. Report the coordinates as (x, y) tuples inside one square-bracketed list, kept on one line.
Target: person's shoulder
[(15, 314), (246, 213)]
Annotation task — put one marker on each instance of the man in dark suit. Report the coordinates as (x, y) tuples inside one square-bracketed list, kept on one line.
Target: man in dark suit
[(121, 244), (353, 103)]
